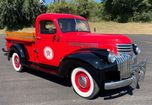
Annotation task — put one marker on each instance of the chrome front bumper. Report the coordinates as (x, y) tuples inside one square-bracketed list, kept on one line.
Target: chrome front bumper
[(138, 74)]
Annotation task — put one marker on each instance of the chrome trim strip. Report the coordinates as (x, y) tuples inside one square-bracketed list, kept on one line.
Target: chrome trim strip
[(124, 48), (123, 44)]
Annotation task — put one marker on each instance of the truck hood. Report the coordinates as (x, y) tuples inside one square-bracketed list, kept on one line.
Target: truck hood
[(93, 40), (96, 38)]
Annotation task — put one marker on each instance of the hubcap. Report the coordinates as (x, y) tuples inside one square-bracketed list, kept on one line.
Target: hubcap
[(17, 61), (82, 81)]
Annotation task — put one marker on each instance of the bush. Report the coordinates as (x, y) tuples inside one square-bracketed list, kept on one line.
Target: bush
[(141, 17), (122, 18)]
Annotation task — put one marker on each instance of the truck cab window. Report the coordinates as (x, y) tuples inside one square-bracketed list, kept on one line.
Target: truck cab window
[(73, 25), (47, 27)]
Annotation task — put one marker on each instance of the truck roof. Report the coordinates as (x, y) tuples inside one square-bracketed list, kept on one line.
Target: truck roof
[(58, 16)]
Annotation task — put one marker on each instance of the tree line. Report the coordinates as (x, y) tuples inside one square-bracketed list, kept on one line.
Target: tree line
[(16, 14)]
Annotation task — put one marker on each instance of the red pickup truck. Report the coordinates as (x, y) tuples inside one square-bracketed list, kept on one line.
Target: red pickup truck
[(63, 45)]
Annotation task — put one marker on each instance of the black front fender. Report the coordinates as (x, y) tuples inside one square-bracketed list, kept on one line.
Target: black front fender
[(98, 59)]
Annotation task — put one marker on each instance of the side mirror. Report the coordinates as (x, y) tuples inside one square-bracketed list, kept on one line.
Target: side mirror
[(52, 30)]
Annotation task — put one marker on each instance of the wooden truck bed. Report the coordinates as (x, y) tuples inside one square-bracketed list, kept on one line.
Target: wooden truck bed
[(20, 36)]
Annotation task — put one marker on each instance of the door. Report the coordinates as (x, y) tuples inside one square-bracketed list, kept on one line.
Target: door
[(46, 46)]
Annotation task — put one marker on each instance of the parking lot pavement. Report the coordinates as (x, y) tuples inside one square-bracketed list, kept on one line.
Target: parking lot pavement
[(36, 88)]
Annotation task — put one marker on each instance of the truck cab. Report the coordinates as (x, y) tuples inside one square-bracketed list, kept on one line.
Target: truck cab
[(63, 45)]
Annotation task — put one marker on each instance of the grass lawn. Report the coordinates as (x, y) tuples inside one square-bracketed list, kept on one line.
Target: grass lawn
[(122, 28), (112, 27)]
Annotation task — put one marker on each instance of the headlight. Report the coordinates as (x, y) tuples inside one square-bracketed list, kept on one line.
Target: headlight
[(136, 49), (111, 58)]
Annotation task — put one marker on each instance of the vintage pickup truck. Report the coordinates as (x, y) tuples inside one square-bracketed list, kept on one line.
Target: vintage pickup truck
[(63, 45)]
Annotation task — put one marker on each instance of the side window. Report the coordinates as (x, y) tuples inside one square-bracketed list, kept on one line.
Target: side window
[(47, 27)]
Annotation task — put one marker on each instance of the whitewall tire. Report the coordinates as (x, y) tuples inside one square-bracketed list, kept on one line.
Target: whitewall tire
[(16, 62), (83, 83)]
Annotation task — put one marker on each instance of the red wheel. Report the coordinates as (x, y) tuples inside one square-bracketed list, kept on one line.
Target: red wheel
[(83, 83), (16, 62)]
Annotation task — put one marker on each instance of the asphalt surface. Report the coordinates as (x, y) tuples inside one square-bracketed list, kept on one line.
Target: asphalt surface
[(37, 88)]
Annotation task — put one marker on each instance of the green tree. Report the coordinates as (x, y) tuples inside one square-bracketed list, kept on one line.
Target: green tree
[(86, 8), (125, 10), (62, 7), (11, 13), (31, 9), (16, 14)]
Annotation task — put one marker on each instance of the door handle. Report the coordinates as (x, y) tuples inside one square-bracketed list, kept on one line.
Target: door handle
[(56, 38), (38, 37)]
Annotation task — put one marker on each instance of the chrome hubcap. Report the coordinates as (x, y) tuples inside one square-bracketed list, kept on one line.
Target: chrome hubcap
[(82, 81)]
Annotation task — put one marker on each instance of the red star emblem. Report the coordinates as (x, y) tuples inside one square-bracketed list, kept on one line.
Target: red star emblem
[(48, 53)]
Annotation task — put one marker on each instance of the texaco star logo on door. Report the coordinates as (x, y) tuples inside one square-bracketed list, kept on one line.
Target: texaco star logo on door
[(48, 53)]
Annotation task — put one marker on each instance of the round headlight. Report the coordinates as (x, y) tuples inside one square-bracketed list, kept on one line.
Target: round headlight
[(137, 50), (111, 58)]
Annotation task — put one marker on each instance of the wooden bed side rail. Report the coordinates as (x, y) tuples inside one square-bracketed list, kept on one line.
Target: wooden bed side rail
[(21, 36)]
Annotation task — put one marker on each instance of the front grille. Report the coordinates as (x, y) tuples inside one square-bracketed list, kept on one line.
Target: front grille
[(124, 48), (123, 62), (124, 59)]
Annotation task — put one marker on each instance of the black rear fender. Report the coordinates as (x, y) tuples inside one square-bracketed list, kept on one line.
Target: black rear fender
[(17, 48)]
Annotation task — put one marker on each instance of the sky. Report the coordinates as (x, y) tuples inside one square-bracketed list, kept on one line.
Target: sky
[(48, 1)]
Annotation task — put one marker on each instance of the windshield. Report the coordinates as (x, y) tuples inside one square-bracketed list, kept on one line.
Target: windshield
[(73, 25)]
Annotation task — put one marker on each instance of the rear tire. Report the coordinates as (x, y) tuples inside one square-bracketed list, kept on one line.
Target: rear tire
[(83, 83), (16, 62)]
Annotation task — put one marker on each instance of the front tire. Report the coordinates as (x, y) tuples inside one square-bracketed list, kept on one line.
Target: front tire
[(83, 83), (16, 62)]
